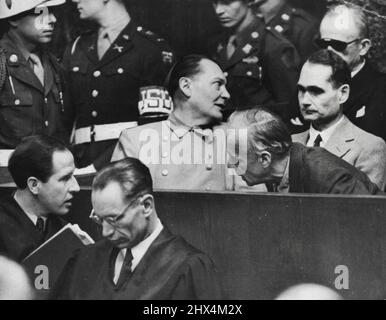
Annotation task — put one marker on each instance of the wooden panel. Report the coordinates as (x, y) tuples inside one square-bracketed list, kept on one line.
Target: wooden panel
[(261, 244)]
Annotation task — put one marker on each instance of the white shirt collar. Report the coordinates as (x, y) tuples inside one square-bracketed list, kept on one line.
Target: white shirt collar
[(141, 248), (356, 71), (325, 134)]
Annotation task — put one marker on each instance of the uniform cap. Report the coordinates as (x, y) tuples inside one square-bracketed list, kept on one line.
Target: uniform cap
[(11, 8)]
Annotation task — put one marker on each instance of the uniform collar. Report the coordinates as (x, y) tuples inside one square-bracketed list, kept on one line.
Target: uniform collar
[(180, 129), (114, 30)]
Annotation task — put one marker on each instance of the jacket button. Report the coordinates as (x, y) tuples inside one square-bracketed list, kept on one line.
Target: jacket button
[(165, 173), (75, 69), (209, 167), (207, 188), (95, 93), (46, 123), (120, 70), (249, 73), (94, 114), (17, 102), (97, 74), (13, 58)]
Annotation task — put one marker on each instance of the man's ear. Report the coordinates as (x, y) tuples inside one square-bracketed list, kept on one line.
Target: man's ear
[(365, 47), (265, 158), (33, 185), (344, 93), (186, 86), (148, 204)]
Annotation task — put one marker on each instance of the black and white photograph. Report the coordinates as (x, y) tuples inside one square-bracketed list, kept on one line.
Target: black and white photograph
[(209, 152)]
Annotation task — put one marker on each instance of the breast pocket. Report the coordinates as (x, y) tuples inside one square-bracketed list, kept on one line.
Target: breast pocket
[(16, 114)]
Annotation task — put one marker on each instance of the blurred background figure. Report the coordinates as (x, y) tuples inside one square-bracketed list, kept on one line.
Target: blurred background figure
[(309, 291), (262, 65), (297, 25), (14, 282)]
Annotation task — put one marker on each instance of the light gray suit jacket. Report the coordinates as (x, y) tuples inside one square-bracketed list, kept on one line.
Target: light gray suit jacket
[(361, 149)]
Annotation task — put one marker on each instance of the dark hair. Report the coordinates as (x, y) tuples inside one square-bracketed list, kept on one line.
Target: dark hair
[(130, 173), (33, 158), (265, 128), (340, 71), (188, 66)]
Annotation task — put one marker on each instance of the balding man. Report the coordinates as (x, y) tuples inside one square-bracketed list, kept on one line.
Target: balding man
[(345, 30), (266, 154)]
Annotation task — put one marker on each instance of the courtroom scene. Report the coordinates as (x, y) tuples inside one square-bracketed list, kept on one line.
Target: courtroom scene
[(193, 150)]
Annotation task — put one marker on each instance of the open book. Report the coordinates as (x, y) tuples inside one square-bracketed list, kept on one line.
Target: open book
[(46, 263)]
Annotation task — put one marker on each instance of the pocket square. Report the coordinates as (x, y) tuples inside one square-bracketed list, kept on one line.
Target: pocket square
[(361, 112)]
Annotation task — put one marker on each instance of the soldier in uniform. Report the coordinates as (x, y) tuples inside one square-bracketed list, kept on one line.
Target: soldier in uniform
[(297, 25), (31, 93), (262, 65), (107, 70)]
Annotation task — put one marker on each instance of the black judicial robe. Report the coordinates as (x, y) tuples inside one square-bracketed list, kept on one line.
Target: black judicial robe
[(18, 235), (171, 269)]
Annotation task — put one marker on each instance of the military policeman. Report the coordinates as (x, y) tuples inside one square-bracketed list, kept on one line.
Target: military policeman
[(108, 69), (31, 94), (297, 25), (262, 65)]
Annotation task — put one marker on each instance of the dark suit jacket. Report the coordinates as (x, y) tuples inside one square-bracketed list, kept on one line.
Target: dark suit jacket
[(18, 235), (170, 269), (315, 170), (366, 106)]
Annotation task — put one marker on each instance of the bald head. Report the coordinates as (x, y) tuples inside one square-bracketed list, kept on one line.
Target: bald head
[(14, 282), (348, 24), (309, 291)]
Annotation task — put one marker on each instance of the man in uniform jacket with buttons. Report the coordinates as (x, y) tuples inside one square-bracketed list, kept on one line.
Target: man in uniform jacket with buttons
[(107, 68), (297, 25), (31, 97), (262, 65)]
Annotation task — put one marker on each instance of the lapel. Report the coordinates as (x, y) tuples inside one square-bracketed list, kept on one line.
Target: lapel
[(340, 142), (89, 47), (18, 66), (248, 42), (120, 46), (296, 178), (48, 74)]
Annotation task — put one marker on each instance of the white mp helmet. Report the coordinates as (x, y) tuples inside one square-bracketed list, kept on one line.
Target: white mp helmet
[(11, 8)]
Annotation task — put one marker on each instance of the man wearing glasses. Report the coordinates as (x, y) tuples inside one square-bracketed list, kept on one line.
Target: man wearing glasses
[(139, 258), (344, 30)]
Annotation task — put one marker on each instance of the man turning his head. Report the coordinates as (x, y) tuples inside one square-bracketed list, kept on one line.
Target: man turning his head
[(267, 155), (139, 258), (324, 86), (42, 168)]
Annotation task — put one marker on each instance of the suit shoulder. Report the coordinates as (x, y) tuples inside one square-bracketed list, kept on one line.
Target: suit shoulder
[(367, 139), (154, 126), (299, 137)]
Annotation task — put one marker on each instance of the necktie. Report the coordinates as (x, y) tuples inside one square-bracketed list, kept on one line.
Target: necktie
[(103, 44), (318, 140), (123, 269), (231, 46), (40, 225), (37, 67)]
